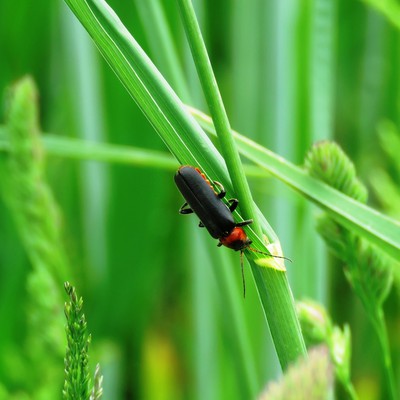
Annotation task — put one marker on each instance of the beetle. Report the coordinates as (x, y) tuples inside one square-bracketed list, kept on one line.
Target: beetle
[(214, 214)]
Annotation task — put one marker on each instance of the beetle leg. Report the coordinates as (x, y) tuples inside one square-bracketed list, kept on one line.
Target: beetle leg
[(201, 225), (222, 192), (244, 223), (233, 204), (186, 210), (219, 244)]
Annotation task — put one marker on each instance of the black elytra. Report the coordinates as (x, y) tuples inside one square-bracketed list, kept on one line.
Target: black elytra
[(201, 199)]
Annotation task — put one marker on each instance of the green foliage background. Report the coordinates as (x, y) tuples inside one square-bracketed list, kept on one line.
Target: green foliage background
[(291, 73)]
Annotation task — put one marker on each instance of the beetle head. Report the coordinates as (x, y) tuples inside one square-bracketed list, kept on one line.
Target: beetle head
[(236, 240)]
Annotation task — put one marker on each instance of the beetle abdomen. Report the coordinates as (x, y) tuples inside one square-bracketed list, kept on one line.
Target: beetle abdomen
[(204, 202)]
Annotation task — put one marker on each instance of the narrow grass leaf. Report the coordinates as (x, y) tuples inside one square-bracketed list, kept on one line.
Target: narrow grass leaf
[(217, 109)]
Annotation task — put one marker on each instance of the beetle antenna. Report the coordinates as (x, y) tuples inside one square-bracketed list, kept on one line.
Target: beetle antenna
[(267, 254), (243, 280)]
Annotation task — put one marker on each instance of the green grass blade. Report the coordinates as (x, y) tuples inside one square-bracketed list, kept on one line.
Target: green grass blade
[(149, 89), (190, 145), (217, 109), (84, 150), (374, 226), (158, 101)]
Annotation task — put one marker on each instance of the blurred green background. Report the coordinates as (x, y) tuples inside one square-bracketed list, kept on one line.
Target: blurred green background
[(156, 288)]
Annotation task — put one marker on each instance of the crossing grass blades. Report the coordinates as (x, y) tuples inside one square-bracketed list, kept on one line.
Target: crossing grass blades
[(214, 214)]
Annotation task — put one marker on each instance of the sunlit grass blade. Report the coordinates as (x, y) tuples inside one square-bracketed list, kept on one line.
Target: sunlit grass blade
[(374, 226), (390, 9)]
